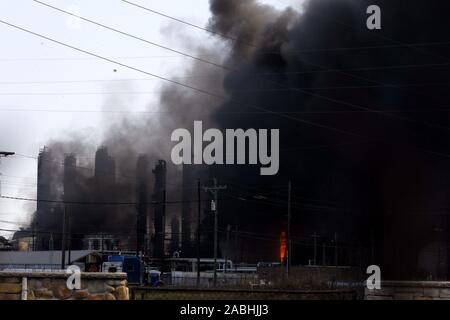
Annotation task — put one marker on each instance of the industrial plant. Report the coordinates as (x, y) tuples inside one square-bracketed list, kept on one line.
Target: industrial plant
[(224, 149)]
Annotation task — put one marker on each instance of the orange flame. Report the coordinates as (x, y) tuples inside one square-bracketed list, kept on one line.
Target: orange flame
[(283, 246)]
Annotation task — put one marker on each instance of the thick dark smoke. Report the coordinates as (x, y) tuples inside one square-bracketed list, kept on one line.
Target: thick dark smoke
[(382, 185), (368, 161)]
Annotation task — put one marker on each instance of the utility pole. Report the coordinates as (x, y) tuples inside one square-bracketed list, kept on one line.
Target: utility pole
[(214, 207), (236, 242), (102, 240), (448, 247), (323, 254), (69, 231), (227, 246), (315, 236), (335, 256), (335, 250), (289, 248), (360, 254), (50, 246), (199, 210), (33, 236), (163, 224), (63, 244), (372, 247)]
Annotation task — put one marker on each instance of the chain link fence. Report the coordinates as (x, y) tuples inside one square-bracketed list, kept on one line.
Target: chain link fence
[(147, 293)]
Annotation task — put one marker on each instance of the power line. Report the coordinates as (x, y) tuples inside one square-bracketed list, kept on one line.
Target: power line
[(185, 22), (77, 93), (241, 234), (361, 68), (353, 87), (61, 110), (87, 233), (15, 222), (132, 36), (381, 36), (131, 203), (415, 44), (78, 225), (73, 81), (255, 200), (299, 89), (61, 163), (435, 43), (413, 85), (17, 177), (296, 205), (97, 171), (84, 59), (247, 188), (336, 101), (20, 184), (18, 181), (202, 91), (221, 97), (291, 51), (406, 66), (239, 186)]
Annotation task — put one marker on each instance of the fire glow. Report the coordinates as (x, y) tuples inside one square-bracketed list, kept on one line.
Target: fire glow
[(282, 246)]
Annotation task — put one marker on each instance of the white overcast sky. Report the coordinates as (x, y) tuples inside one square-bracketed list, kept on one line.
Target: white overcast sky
[(29, 67)]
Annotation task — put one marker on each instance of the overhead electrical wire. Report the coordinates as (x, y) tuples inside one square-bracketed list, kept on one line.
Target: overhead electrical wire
[(312, 94), (202, 91), (406, 66), (133, 36), (406, 85), (434, 125), (62, 110), (418, 44), (383, 37), (119, 203), (213, 94)]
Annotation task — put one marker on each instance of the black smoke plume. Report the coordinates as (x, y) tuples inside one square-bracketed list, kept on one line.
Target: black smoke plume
[(363, 118)]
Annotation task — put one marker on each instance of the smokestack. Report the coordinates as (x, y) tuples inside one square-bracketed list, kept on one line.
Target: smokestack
[(70, 177), (186, 211), (175, 235), (44, 186), (142, 196), (105, 167), (159, 196), (105, 187)]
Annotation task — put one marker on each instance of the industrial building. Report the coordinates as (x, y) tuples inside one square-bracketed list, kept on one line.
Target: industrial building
[(79, 209)]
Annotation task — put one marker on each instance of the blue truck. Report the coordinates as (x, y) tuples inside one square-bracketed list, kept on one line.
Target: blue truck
[(129, 264)]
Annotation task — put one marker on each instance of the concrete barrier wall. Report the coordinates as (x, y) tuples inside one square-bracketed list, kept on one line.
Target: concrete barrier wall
[(53, 286), (410, 290)]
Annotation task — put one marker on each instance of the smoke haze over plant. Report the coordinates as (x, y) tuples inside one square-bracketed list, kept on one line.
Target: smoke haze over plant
[(363, 122)]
